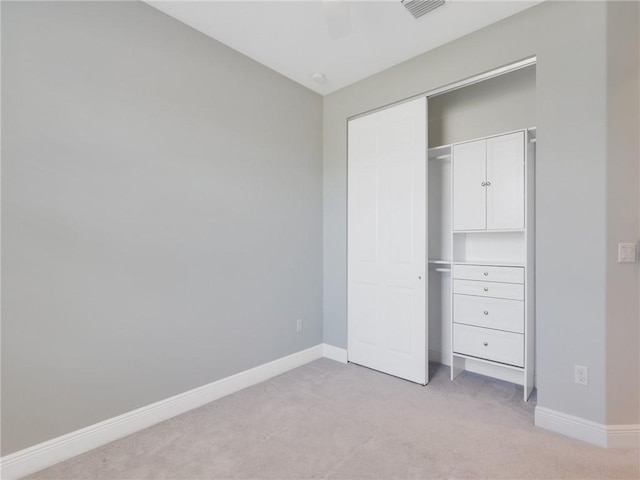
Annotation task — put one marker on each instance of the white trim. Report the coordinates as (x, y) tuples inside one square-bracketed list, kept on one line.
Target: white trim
[(571, 426), (38, 457), (610, 436), (512, 67), (623, 436), (334, 353)]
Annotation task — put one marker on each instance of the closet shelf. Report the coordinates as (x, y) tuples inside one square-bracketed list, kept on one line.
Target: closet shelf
[(513, 230), (440, 148), (440, 153), (490, 263), (437, 261), (441, 270)]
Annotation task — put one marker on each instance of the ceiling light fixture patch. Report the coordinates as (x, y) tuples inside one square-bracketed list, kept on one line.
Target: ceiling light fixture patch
[(319, 77), (418, 8)]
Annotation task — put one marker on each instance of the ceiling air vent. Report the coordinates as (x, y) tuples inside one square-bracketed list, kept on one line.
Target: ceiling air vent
[(418, 8)]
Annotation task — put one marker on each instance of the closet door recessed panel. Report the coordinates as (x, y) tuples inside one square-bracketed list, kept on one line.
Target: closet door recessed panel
[(401, 213)]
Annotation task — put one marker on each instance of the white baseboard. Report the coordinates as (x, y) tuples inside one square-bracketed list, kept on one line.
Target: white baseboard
[(610, 436), (43, 455), (439, 357), (623, 436), (334, 353)]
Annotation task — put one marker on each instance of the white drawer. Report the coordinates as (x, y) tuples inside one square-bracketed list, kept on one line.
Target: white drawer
[(495, 345), (489, 274), (511, 291), (497, 313)]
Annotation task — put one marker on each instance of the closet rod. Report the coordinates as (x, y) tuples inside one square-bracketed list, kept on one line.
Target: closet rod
[(442, 270)]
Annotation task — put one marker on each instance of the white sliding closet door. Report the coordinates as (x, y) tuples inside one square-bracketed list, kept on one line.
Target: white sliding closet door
[(387, 268)]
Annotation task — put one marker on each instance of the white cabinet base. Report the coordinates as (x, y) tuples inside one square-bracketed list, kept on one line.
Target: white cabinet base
[(492, 246)]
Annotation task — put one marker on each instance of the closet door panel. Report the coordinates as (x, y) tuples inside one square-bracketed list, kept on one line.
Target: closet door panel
[(387, 283), (363, 194), (401, 213), (469, 191), (505, 182), (364, 313)]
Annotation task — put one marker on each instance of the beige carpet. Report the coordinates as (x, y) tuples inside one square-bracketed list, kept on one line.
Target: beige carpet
[(329, 420)]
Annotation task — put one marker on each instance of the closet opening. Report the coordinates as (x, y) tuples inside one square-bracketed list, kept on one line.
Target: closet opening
[(480, 231), (440, 230)]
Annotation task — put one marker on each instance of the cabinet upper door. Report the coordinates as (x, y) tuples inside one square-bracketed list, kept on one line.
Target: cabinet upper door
[(505, 182), (469, 192)]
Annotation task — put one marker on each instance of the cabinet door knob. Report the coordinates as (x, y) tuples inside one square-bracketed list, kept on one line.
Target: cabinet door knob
[(486, 344), (486, 274), (486, 312), (488, 184), (483, 184), (486, 289)]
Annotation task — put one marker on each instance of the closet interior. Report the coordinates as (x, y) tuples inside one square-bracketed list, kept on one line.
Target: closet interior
[(481, 228)]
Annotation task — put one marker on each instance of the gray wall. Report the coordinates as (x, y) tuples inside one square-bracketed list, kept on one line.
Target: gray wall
[(570, 41), (501, 104), (623, 152), (161, 214)]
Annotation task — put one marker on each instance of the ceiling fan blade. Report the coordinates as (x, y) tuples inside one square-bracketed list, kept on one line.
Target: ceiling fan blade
[(338, 18)]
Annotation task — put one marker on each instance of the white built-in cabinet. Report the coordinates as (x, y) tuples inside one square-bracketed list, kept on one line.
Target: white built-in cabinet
[(487, 269), (489, 185), (440, 240)]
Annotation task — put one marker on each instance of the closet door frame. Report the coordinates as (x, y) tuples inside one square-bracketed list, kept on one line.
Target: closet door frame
[(437, 91)]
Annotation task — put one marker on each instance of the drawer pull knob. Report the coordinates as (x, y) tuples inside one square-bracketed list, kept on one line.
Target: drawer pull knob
[(483, 184), (486, 274), (486, 344), (486, 289), (486, 312)]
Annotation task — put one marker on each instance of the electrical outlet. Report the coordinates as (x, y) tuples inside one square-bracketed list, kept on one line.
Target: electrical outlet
[(581, 375), (627, 253), (299, 325)]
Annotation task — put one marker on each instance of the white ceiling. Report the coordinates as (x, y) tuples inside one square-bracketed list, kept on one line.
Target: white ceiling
[(294, 37)]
